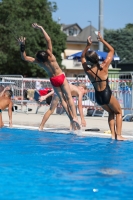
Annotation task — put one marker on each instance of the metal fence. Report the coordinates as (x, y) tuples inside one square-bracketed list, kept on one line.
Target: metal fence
[(121, 85), (15, 82)]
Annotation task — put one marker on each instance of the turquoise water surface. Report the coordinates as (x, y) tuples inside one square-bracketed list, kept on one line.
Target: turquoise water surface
[(50, 166)]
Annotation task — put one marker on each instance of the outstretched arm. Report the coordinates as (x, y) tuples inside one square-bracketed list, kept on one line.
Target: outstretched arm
[(83, 60), (21, 42), (42, 98), (46, 36), (6, 88), (110, 48), (89, 42)]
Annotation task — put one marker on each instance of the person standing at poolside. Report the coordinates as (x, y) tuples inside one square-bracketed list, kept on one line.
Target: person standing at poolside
[(6, 102), (98, 75), (47, 61), (76, 91)]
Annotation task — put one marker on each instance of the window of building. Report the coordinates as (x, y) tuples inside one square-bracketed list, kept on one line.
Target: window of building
[(72, 31)]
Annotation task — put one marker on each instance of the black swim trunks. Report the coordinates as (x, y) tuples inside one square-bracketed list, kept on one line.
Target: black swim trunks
[(102, 97)]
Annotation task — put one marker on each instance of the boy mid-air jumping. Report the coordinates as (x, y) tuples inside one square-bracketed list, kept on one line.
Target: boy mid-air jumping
[(46, 60)]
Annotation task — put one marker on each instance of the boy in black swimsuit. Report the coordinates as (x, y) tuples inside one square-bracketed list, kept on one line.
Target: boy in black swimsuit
[(98, 75)]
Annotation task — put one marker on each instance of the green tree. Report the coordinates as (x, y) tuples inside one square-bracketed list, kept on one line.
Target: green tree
[(122, 42), (129, 26), (16, 18)]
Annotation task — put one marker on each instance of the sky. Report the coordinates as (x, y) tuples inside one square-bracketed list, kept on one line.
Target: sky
[(116, 13)]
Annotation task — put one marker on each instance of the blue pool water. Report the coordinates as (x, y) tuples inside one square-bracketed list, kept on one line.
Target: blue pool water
[(51, 166)]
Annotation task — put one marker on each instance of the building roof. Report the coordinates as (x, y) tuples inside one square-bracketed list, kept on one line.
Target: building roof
[(64, 26), (83, 35)]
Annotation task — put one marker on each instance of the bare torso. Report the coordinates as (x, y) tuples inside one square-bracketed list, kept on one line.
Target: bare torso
[(74, 90), (51, 67), (4, 102)]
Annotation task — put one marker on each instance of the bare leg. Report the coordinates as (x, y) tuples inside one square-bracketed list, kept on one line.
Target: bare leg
[(72, 110), (111, 120), (1, 122), (69, 98), (115, 107), (61, 97), (118, 124), (49, 112), (64, 101), (65, 106)]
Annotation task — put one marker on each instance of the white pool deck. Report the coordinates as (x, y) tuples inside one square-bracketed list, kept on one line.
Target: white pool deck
[(60, 123)]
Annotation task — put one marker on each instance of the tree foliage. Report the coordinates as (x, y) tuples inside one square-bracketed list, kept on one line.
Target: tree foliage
[(16, 18), (122, 42), (129, 26)]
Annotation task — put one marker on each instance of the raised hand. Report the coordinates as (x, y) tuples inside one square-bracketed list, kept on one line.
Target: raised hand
[(21, 40), (89, 41), (7, 88), (35, 25), (99, 38)]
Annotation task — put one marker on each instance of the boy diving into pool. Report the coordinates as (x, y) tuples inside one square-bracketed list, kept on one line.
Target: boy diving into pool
[(46, 60), (76, 91), (6, 102)]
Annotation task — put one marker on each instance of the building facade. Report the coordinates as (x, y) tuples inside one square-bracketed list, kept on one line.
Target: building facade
[(76, 42)]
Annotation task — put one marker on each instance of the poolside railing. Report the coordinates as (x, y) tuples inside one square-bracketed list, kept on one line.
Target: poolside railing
[(121, 85)]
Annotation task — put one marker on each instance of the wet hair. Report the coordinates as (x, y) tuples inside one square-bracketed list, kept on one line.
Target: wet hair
[(42, 56), (92, 58), (83, 85), (9, 93)]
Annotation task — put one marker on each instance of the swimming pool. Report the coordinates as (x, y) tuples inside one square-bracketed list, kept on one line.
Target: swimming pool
[(51, 166)]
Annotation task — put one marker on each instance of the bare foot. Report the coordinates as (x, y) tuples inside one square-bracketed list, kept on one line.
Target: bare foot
[(75, 124), (2, 124), (70, 125), (40, 128), (120, 138), (113, 138)]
